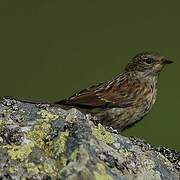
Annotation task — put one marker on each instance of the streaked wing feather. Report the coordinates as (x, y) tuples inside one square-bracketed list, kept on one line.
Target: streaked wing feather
[(107, 94), (87, 97)]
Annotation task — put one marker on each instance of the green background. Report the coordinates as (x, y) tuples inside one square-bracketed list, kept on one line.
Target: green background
[(51, 49)]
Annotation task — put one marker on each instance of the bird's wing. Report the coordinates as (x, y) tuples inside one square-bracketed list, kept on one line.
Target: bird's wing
[(115, 93), (86, 98)]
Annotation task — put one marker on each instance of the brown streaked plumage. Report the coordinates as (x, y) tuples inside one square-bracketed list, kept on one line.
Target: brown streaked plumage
[(128, 97)]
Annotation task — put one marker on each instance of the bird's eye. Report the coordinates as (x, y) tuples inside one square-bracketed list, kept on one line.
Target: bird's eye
[(149, 61)]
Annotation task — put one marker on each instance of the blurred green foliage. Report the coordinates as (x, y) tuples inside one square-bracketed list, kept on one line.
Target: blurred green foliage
[(50, 49)]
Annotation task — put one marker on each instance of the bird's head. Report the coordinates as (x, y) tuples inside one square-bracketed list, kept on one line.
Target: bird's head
[(148, 63)]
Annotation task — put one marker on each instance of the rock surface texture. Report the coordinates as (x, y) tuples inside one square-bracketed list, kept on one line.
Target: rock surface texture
[(44, 142)]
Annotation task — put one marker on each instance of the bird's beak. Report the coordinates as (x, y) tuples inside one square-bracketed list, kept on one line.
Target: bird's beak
[(166, 61)]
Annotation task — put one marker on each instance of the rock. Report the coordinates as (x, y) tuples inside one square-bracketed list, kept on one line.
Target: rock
[(43, 142)]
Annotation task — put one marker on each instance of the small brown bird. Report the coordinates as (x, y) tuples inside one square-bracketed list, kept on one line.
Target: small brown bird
[(128, 97)]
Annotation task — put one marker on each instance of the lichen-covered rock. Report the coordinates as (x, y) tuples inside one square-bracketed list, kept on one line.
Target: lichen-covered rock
[(41, 141)]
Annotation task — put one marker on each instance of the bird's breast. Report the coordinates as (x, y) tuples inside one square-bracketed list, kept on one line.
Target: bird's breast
[(148, 97)]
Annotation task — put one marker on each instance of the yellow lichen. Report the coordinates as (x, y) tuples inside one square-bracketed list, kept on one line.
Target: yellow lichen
[(48, 168), (101, 134), (2, 124), (100, 173), (147, 163), (19, 152), (164, 159), (124, 152), (60, 143), (32, 168), (74, 154), (11, 170), (83, 174), (83, 156), (80, 166), (45, 115), (38, 134)]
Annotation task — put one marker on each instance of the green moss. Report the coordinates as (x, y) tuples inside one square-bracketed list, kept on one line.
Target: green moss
[(20, 152), (101, 134), (100, 173)]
